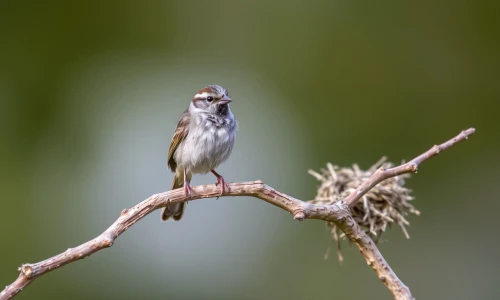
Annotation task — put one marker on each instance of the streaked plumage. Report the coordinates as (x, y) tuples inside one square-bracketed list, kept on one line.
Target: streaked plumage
[(203, 139)]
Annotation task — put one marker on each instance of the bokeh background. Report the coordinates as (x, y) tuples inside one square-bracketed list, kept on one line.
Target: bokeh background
[(90, 93)]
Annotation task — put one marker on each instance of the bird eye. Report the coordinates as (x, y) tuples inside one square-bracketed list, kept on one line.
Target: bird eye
[(210, 98)]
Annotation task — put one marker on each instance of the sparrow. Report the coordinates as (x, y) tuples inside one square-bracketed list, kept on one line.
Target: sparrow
[(204, 138)]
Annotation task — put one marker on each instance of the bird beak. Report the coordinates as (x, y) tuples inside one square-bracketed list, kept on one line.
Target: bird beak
[(225, 100)]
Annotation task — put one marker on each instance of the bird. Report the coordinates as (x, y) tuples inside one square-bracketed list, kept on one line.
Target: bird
[(204, 138)]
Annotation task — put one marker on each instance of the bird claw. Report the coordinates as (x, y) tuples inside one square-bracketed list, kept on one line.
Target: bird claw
[(224, 186), (188, 190)]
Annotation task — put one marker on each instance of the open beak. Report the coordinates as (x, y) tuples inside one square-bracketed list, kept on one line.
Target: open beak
[(224, 100)]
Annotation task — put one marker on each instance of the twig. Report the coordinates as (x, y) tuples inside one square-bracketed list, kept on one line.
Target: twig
[(338, 213), (411, 166)]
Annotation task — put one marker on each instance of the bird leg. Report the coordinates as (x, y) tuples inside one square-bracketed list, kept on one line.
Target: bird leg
[(188, 190), (223, 184)]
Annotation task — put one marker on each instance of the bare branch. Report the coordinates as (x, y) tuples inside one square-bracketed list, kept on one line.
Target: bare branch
[(338, 213), (373, 257), (411, 166), (300, 210)]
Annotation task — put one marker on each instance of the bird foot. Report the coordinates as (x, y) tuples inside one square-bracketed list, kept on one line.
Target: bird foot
[(188, 190), (224, 186)]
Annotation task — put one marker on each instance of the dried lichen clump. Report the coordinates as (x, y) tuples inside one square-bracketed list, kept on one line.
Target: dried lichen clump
[(384, 204)]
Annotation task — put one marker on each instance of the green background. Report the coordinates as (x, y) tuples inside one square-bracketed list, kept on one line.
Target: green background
[(90, 95)]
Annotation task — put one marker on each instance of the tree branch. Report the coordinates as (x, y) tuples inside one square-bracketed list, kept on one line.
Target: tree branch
[(411, 166), (339, 213)]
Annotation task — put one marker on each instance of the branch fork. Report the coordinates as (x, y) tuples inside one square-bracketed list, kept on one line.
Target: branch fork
[(338, 213)]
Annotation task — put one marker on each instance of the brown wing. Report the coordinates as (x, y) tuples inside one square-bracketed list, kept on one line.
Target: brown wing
[(180, 134)]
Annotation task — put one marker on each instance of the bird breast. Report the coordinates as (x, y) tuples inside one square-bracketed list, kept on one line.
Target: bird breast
[(208, 143)]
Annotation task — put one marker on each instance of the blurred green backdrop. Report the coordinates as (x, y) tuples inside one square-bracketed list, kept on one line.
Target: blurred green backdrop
[(90, 95)]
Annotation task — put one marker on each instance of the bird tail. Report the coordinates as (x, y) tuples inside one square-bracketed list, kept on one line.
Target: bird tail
[(175, 210)]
